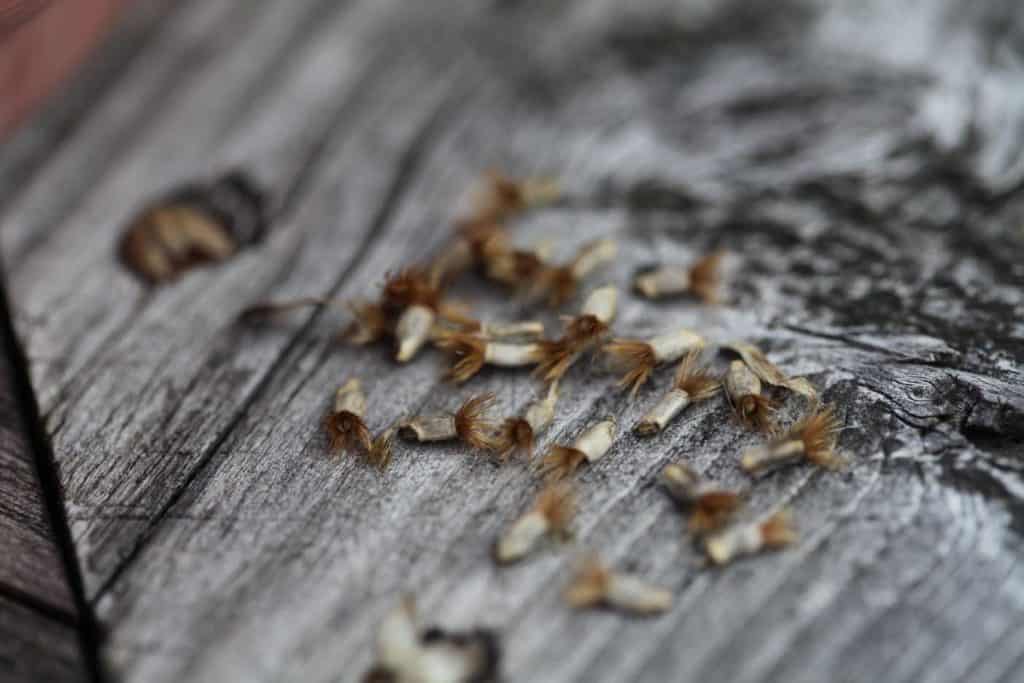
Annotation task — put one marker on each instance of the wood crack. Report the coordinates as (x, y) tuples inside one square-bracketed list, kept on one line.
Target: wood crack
[(405, 171)]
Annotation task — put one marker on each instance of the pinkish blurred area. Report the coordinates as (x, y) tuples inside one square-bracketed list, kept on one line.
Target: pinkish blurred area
[(41, 43)]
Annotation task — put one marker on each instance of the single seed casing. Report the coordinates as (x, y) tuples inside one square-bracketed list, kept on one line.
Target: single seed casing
[(710, 504), (674, 345), (193, 225), (761, 460), (700, 279), (560, 283), (743, 389), (581, 334), (529, 329), (413, 331), (468, 424), (590, 446), (680, 481), (601, 303), (594, 584), (636, 595), (552, 512), (430, 428), (407, 654), (663, 281), (597, 440), (638, 357), (510, 355), (592, 256), (813, 439), (350, 398), (741, 381), (734, 542), (663, 412), (473, 352), (344, 424), (519, 433), (522, 537), (768, 372), (398, 637), (692, 383), (750, 538), (501, 196), (540, 413)]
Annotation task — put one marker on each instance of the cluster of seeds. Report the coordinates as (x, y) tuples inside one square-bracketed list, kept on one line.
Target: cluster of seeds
[(414, 310)]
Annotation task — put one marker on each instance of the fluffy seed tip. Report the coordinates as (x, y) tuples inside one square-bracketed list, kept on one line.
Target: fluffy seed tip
[(704, 277), (346, 430), (777, 531), (820, 432), (695, 379), (557, 503), (370, 323), (756, 412), (712, 510), (558, 284), (475, 429), (589, 584), (560, 462), (516, 436), (380, 451), (469, 352), (516, 267), (636, 358), (410, 287), (556, 358)]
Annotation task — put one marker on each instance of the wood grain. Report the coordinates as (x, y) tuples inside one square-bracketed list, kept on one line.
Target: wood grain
[(863, 182), (36, 648), (46, 631)]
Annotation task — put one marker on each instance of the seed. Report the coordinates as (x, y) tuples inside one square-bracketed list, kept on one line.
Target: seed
[(595, 584), (692, 383)]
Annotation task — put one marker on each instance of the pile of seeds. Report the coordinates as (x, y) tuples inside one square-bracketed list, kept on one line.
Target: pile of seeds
[(414, 310)]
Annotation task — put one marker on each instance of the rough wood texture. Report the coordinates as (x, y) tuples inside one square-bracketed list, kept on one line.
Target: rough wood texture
[(860, 161), (43, 635), (34, 647), (40, 637)]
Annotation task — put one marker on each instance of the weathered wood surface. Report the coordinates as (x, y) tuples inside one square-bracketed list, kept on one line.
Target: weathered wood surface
[(861, 162), (43, 635), (35, 647)]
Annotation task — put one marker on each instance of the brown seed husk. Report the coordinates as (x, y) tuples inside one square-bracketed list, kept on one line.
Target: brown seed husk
[(768, 372), (557, 502), (713, 510), (468, 350), (516, 436), (696, 380), (589, 585), (370, 323), (381, 450), (475, 429), (560, 462), (820, 434), (636, 358), (756, 412), (704, 277), (347, 431), (777, 531)]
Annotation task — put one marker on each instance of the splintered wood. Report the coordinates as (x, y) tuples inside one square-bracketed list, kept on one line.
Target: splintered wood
[(414, 311)]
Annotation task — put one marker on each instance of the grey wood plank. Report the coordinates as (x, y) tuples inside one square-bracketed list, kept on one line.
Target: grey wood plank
[(31, 563), (30, 146), (323, 81), (34, 647), (42, 625), (867, 195)]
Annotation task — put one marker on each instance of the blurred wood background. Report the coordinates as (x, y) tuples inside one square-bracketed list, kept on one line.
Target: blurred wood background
[(861, 162)]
